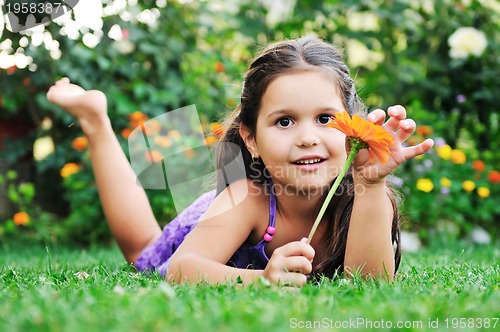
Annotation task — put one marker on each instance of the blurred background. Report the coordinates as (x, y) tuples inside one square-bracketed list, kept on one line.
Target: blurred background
[(438, 58)]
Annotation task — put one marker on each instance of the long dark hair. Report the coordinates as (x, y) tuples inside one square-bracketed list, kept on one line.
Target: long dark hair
[(307, 53)]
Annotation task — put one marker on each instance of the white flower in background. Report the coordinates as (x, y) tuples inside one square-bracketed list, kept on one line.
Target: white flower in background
[(362, 21), (124, 46), (359, 55), (278, 10), (467, 41)]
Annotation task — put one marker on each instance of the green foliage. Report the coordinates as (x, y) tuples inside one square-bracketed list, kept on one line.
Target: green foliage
[(446, 190), (29, 222), (197, 52)]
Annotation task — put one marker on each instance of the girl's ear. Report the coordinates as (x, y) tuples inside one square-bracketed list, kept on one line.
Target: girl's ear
[(249, 139)]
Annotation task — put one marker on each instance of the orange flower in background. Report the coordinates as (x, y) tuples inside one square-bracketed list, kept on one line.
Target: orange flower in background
[(21, 218), (494, 176), (361, 135), (163, 141), (219, 67), (126, 132), (458, 157), (414, 140), (152, 127), (217, 129), (175, 134), (369, 135), (425, 130), (137, 118), (69, 169), (153, 156), (80, 143), (478, 165), (189, 153)]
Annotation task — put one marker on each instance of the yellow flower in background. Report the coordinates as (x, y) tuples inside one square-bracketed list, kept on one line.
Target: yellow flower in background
[(468, 185), (444, 152), (217, 129), (458, 157), (69, 169), (483, 192), (425, 185), (211, 140), (21, 218), (445, 182)]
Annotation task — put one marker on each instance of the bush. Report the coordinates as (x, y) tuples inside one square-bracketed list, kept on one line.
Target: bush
[(401, 52)]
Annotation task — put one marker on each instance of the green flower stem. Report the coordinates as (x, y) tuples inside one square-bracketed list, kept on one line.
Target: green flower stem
[(356, 145)]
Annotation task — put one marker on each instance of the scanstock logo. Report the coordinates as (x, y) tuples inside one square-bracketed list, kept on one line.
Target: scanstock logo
[(169, 152), (23, 15)]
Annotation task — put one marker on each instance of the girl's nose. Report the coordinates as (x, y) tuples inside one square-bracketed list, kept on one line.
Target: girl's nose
[(307, 138)]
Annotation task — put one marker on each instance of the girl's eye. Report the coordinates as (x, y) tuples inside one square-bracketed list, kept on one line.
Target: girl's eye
[(324, 119), (284, 122)]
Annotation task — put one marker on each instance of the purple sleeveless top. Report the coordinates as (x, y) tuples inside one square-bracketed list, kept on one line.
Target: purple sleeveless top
[(157, 256)]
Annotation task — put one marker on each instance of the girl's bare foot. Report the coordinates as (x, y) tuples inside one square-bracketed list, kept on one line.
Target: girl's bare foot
[(89, 107)]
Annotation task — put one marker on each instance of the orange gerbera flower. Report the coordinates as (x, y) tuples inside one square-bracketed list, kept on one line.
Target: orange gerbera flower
[(366, 134)]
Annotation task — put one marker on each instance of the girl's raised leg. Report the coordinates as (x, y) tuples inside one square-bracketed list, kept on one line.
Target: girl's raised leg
[(125, 204)]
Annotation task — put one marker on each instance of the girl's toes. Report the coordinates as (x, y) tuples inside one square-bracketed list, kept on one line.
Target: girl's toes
[(62, 81)]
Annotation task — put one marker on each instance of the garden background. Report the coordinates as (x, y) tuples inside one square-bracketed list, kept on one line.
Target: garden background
[(437, 58)]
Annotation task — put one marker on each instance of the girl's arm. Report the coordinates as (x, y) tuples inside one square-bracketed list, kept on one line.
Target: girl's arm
[(226, 225), (369, 241)]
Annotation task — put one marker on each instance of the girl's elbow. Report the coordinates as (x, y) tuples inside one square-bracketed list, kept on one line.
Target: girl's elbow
[(383, 272), (175, 269)]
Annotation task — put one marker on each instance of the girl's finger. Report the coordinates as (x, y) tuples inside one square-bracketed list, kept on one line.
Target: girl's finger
[(63, 80), (406, 129), (296, 248), (297, 264), (377, 117), (419, 149), (396, 113), (293, 279)]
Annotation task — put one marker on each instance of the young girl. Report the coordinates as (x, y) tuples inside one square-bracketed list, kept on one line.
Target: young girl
[(290, 93)]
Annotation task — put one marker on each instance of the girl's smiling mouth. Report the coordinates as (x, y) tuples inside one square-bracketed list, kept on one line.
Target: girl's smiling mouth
[(309, 163)]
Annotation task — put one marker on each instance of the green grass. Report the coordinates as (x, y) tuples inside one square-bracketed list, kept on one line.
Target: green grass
[(40, 290)]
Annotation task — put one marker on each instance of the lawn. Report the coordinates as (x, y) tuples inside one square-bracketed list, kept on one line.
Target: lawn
[(453, 287)]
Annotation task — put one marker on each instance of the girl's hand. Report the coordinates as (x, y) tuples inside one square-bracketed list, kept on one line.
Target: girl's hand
[(401, 129), (290, 264)]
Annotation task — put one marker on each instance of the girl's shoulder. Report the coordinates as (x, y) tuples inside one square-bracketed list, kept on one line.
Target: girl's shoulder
[(244, 200)]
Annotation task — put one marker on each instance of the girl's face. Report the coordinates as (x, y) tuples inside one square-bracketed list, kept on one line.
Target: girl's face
[(300, 151)]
